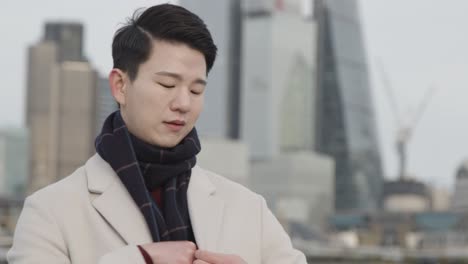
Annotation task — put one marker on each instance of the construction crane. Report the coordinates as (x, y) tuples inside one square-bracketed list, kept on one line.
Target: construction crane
[(405, 130)]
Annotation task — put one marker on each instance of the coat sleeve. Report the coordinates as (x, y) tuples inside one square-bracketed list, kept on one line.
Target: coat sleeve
[(38, 239), (124, 255), (276, 244)]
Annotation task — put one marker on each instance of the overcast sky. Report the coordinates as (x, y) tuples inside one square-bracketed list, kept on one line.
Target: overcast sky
[(420, 43)]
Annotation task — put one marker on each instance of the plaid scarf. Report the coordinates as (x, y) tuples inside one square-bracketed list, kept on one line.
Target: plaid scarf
[(143, 168)]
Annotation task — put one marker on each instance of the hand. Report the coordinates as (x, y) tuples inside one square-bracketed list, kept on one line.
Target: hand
[(207, 257), (174, 252)]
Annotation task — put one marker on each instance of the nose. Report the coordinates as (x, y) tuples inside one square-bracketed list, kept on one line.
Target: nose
[(181, 101)]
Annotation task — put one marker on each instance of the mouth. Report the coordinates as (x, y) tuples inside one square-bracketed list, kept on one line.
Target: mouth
[(175, 125)]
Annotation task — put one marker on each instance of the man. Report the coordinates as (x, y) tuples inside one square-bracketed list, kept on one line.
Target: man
[(141, 199)]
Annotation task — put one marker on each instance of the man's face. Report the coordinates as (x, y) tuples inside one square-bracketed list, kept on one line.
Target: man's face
[(163, 103)]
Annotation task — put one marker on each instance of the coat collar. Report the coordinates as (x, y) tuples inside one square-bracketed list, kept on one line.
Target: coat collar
[(116, 205)]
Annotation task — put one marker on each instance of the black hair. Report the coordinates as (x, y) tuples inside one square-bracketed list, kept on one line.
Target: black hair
[(132, 45)]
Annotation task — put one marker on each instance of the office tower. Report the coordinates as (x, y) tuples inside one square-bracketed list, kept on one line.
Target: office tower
[(278, 80), (345, 125), (277, 112), (60, 105)]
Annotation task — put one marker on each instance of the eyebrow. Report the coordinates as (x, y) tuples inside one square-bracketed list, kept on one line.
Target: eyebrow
[(179, 77)]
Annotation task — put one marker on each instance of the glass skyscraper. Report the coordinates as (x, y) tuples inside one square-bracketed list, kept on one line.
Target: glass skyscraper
[(345, 123)]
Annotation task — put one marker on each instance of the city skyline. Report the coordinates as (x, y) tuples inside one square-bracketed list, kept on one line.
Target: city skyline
[(427, 50)]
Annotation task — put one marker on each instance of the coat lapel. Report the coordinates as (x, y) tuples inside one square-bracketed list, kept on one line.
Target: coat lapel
[(114, 202), (206, 210)]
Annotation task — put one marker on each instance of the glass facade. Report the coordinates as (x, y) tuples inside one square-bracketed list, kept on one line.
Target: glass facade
[(345, 127)]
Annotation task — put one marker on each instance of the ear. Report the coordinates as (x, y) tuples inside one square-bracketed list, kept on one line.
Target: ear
[(118, 85)]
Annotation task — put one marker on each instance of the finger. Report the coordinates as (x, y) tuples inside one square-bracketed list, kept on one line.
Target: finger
[(191, 245), (210, 257)]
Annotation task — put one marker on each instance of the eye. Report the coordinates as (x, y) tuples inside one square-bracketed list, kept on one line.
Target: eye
[(166, 85), (196, 92)]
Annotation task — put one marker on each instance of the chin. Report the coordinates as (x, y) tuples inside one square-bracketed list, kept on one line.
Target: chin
[(168, 143)]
